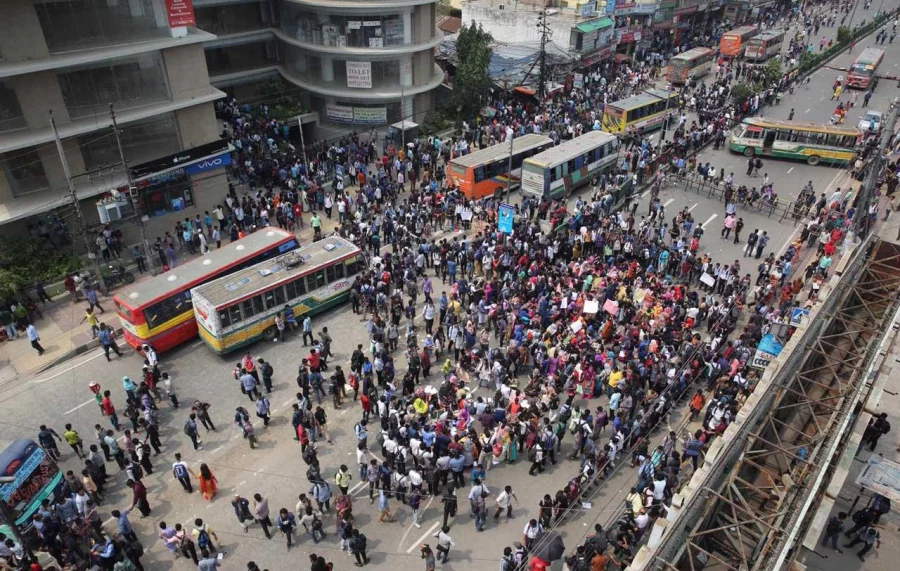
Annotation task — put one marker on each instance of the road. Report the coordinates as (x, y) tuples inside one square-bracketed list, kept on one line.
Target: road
[(61, 395)]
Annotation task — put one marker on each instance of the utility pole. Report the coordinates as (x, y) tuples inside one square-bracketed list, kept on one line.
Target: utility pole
[(302, 142), (71, 186), (510, 133), (866, 192), (131, 189), (545, 36)]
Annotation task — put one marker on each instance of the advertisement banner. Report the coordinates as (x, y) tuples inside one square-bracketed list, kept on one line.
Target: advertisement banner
[(505, 215), (610, 7), (180, 13), (578, 80), (589, 9), (209, 164), (339, 113), (370, 115), (769, 348), (359, 74)]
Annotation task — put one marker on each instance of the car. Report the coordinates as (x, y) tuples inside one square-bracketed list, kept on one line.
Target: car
[(871, 122)]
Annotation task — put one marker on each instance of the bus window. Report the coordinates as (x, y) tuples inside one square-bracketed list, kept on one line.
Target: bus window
[(329, 273), (291, 290), (225, 317), (311, 283), (320, 279), (351, 267), (783, 135), (339, 271), (247, 309), (257, 303), (234, 314), (167, 309), (300, 286), (269, 298), (479, 174), (279, 296)]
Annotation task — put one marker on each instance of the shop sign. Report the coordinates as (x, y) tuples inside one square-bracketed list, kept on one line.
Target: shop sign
[(589, 9), (595, 57), (211, 163), (180, 13), (359, 74), (187, 156), (339, 113)]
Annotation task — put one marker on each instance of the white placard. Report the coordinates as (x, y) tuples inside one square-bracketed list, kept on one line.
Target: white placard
[(708, 279), (354, 24), (575, 326), (359, 74), (591, 306)]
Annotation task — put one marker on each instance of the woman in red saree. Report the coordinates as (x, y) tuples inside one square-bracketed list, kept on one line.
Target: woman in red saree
[(208, 482)]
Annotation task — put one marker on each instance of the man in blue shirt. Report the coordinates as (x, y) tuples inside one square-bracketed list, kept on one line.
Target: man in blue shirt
[(124, 524), (107, 342), (92, 299), (457, 465)]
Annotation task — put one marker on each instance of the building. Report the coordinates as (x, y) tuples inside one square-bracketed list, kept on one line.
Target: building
[(353, 61), (74, 58)]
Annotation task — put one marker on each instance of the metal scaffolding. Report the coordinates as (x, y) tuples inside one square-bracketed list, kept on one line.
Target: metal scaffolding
[(750, 514)]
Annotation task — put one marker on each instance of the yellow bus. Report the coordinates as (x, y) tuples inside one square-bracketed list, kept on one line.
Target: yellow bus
[(238, 309), (643, 111), (810, 142)]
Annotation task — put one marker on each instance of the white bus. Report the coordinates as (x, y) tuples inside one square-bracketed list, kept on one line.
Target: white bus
[(764, 46), (558, 171)]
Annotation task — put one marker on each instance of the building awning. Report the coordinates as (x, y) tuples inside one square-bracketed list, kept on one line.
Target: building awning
[(524, 90), (594, 25)]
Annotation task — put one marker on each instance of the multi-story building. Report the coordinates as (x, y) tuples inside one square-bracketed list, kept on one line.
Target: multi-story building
[(352, 61), (75, 58)]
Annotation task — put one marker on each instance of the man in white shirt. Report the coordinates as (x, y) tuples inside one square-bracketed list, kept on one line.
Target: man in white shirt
[(505, 501)]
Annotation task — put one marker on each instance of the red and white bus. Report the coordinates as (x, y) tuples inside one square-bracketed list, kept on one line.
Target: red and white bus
[(693, 63), (862, 72), (733, 43), (159, 310)]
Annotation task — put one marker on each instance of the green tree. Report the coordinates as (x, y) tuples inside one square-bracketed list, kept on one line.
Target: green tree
[(26, 260), (741, 92), (472, 79), (773, 71), (844, 35)]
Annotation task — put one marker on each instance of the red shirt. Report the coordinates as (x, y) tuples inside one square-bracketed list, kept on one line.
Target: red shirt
[(366, 404), (313, 361), (302, 435), (108, 408)]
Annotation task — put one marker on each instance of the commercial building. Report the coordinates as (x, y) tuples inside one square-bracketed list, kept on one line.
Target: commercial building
[(75, 58)]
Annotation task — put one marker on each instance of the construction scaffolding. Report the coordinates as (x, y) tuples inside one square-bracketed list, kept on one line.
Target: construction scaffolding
[(751, 512)]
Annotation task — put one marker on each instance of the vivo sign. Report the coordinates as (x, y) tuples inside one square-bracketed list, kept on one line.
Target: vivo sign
[(209, 164)]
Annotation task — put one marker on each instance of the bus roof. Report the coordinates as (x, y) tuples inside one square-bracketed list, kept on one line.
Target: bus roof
[(870, 55), (692, 53), (248, 281), (803, 126), (570, 149), (740, 31), (500, 150), (768, 35), (648, 96), (182, 276)]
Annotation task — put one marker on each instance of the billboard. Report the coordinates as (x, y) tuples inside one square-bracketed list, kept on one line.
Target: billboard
[(180, 13), (359, 74)]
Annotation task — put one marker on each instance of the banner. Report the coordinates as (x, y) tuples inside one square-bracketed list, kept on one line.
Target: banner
[(359, 74), (505, 215), (578, 80), (769, 348), (370, 115), (180, 13), (589, 9), (339, 113)]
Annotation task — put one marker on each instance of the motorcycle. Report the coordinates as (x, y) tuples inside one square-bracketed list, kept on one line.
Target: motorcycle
[(117, 276)]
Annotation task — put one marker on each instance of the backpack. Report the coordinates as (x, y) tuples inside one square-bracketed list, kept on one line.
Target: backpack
[(203, 539), (136, 471), (188, 429), (833, 527)]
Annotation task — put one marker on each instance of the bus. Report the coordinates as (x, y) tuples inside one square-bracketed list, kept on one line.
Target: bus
[(238, 309), (693, 63), (811, 142), (558, 171), (158, 311), (733, 43), (764, 46), (862, 72), (643, 111), (36, 478), (485, 171)]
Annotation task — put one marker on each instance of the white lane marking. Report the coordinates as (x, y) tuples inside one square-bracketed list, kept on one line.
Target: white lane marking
[(668, 202), (287, 402), (241, 483), (345, 411), (197, 344), (79, 406), (425, 536), (789, 170), (355, 487), (693, 207), (808, 110), (710, 219), (410, 526), (64, 371)]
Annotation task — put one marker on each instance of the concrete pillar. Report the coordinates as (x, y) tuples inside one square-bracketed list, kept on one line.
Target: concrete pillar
[(407, 26), (406, 70), (406, 108), (327, 69)]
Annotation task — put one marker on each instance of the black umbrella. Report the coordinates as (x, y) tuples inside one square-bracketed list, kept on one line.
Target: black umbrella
[(548, 546)]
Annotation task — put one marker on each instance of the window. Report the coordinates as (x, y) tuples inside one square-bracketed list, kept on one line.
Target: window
[(320, 279), (169, 308), (329, 273), (128, 82), (165, 193), (311, 283), (351, 267), (291, 290), (234, 314), (479, 174), (338, 271), (301, 286), (141, 141), (279, 296), (247, 309), (224, 318), (24, 171), (79, 24), (11, 117)]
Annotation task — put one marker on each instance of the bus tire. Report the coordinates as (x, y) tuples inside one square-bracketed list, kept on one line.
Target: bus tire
[(749, 152), (813, 160), (270, 334), (128, 277)]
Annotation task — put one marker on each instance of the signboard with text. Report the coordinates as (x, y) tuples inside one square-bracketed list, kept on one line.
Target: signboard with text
[(359, 74), (370, 115), (505, 215), (180, 13), (339, 113)]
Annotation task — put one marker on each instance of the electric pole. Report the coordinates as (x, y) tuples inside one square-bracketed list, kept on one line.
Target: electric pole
[(71, 186), (862, 223), (546, 32), (131, 189), (510, 133)]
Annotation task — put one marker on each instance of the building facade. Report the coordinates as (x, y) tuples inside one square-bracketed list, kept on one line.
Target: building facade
[(74, 59)]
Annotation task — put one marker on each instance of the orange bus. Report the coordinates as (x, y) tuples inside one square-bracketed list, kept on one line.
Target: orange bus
[(862, 72), (732, 43), (159, 310), (693, 63), (486, 171)]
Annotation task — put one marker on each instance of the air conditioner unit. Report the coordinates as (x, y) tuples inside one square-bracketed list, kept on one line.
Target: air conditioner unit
[(114, 211)]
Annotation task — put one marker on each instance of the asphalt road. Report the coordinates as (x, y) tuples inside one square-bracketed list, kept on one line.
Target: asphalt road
[(275, 469)]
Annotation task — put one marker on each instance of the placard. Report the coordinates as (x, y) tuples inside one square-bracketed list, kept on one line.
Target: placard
[(611, 307), (708, 279), (370, 115), (339, 113), (359, 74), (576, 326), (180, 13), (591, 306), (505, 216)]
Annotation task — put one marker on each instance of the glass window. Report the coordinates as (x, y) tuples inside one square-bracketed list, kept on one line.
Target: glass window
[(79, 24), (247, 309), (167, 309), (165, 193), (141, 141), (479, 174), (257, 304), (311, 283), (301, 286), (234, 314), (329, 273), (290, 290), (232, 59), (24, 171), (351, 268), (339, 271), (279, 296), (11, 117), (231, 19), (224, 318), (320, 279), (127, 83), (269, 298)]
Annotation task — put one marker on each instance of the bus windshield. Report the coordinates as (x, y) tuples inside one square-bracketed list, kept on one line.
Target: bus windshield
[(862, 69), (36, 478)]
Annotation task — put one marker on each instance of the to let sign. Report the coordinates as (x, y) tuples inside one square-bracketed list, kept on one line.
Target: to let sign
[(180, 13)]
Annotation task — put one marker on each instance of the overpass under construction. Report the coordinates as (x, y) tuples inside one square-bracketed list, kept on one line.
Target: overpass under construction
[(751, 504)]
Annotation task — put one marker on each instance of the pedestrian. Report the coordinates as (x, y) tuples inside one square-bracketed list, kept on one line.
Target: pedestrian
[(248, 385), (241, 508), (190, 429), (139, 497), (358, 545), (207, 561), (108, 341), (286, 524), (415, 501), (114, 450), (73, 439), (109, 410), (878, 426), (480, 509), (209, 485), (184, 542), (307, 331), (204, 535), (261, 513), (183, 473), (266, 371), (342, 479), (93, 322), (384, 508), (123, 523), (47, 438), (35, 338), (532, 529), (833, 530), (450, 503), (870, 537), (505, 501), (263, 408), (428, 556), (445, 542), (169, 384), (201, 409)]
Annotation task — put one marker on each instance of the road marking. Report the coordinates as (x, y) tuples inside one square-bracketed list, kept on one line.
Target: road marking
[(263, 469), (693, 207), (355, 487), (241, 483), (197, 344), (668, 202), (425, 536), (79, 406), (64, 371), (710, 219), (410, 526), (789, 170), (346, 411), (289, 401), (808, 110)]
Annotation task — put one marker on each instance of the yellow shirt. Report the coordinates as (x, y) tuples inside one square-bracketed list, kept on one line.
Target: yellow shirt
[(92, 319), (615, 378)]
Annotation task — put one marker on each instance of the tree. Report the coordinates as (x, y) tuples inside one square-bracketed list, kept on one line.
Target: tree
[(472, 79), (741, 92), (844, 35), (772, 72), (25, 260)]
